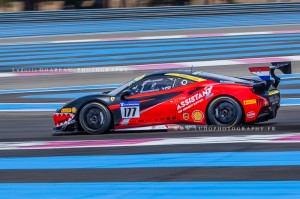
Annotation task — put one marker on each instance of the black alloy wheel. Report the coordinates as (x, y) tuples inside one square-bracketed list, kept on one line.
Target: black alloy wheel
[(224, 111), (95, 118)]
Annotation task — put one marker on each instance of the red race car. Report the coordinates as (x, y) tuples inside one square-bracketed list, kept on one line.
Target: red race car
[(176, 97)]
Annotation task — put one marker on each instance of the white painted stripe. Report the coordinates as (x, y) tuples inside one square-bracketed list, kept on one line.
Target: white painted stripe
[(74, 41), (175, 36), (161, 142), (213, 63), (249, 33), (161, 30), (144, 128), (28, 110), (7, 75), (163, 37), (262, 73), (293, 58), (289, 104)]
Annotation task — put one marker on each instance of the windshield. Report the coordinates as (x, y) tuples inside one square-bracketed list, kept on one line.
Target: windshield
[(125, 86), (121, 88)]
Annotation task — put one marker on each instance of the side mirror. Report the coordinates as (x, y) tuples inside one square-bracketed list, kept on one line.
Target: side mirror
[(125, 94)]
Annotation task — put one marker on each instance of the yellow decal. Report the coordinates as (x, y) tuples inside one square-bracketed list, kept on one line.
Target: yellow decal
[(185, 116), (66, 110), (273, 92), (248, 102), (190, 77), (112, 99), (74, 110), (197, 116), (139, 78)]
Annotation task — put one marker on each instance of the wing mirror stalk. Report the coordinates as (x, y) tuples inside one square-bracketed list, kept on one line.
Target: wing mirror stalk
[(125, 94)]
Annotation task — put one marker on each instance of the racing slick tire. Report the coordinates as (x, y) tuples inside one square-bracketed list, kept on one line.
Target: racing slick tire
[(95, 118), (224, 111)]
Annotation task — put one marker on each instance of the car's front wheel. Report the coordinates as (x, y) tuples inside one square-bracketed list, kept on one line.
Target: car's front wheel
[(224, 111), (95, 118)]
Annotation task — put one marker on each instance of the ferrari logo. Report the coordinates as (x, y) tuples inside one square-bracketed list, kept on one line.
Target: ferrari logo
[(197, 116), (112, 99), (185, 116)]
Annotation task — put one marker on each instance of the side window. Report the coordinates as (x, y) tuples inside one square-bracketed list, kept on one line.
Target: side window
[(182, 82), (153, 84)]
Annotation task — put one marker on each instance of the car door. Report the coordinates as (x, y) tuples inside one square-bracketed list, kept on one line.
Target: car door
[(152, 102)]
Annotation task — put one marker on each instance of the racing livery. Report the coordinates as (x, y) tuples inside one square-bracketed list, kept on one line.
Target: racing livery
[(176, 97)]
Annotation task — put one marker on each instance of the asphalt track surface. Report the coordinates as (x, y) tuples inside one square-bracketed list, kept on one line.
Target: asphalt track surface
[(36, 126)]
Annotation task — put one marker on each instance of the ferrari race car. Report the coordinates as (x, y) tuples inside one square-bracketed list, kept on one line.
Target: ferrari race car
[(176, 97)]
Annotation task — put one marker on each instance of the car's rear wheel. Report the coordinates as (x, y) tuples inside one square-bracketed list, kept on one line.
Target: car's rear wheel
[(224, 111), (95, 118)]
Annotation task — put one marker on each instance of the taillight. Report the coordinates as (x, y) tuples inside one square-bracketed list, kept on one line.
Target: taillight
[(262, 102), (259, 102)]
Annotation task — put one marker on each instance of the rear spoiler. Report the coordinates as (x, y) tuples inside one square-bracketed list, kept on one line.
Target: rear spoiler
[(265, 72)]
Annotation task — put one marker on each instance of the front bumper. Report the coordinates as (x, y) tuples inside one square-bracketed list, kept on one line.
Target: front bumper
[(64, 122)]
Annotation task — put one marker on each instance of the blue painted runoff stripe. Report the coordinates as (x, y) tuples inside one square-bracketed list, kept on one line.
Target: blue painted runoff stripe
[(211, 159), (290, 82), (284, 78), (158, 190), (157, 24), (289, 76), (95, 52), (290, 91), (290, 101), (59, 96), (30, 106), (189, 51), (54, 89)]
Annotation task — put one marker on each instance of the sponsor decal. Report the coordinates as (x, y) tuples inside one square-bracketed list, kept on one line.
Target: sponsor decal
[(197, 116), (61, 119), (195, 99), (68, 110), (273, 92), (251, 101), (190, 127), (185, 116), (112, 99), (174, 127), (130, 109), (251, 114), (190, 77)]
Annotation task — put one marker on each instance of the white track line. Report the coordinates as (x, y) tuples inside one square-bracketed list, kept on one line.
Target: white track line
[(271, 138)]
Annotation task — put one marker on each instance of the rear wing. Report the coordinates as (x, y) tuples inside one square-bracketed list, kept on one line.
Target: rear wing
[(266, 72)]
